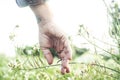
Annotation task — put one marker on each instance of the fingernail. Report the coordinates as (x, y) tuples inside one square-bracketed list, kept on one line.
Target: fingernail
[(67, 70)]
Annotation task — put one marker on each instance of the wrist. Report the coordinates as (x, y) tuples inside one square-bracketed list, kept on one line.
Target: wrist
[(42, 13)]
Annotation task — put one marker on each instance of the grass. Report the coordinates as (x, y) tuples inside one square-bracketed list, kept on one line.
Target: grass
[(20, 69)]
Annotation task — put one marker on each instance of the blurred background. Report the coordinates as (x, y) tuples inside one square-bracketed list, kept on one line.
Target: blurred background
[(68, 14)]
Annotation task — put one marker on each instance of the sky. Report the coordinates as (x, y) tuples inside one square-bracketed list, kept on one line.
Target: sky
[(68, 14)]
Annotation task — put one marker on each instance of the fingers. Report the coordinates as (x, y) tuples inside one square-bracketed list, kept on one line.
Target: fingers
[(65, 66), (48, 55), (68, 52), (66, 56)]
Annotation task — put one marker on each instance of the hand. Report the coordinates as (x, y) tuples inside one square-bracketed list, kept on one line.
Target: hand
[(52, 37)]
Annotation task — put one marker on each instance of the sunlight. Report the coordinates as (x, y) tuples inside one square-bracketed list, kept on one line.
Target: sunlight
[(68, 14)]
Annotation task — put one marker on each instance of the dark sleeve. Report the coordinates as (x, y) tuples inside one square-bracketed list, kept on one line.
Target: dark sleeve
[(24, 3)]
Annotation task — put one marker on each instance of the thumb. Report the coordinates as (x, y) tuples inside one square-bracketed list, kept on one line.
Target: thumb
[(47, 55)]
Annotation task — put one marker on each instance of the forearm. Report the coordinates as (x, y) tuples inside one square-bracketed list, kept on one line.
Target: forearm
[(39, 7), (42, 12)]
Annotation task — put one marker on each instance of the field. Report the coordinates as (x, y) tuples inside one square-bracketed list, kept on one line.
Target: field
[(29, 67)]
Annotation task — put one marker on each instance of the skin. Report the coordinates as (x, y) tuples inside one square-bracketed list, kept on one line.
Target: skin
[(50, 36)]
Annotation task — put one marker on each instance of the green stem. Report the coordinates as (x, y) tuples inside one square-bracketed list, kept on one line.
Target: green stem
[(71, 63)]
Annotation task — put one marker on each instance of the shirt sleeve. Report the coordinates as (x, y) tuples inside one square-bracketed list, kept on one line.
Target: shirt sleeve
[(24, 3)]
